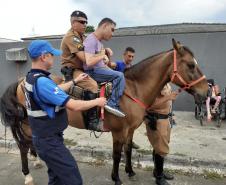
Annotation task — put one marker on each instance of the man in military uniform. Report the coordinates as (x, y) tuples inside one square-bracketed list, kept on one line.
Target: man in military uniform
[(72, 60), (158, 132)]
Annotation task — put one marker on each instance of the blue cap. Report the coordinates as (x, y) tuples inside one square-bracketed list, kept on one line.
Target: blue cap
[(40, 47)]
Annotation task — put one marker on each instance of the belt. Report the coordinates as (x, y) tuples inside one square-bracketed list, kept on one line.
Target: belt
[(158, 116), (48, 136)]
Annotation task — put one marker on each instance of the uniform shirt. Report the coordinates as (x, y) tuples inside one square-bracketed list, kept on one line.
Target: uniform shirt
[(93, 46), (121, 66), (47, 92), (165, 107), (45, 103), (71, 44)]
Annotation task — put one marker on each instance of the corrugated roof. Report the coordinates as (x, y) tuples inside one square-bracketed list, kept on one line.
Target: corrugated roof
[(4, 40), (171, 29), (157, 29)]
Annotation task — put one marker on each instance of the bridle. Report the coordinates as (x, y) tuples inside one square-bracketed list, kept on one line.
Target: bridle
[(174, 75), (180, 78)]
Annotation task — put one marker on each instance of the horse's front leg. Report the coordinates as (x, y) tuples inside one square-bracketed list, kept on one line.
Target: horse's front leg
[(117, 150), (24, 161), (128, 156)]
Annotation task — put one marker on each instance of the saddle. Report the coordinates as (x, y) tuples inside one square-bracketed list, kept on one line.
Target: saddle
[(90, 116), (78, 93)]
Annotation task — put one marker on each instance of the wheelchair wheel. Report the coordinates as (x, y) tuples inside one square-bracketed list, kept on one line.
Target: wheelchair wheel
[(218, 115), (197, 111), (201, 117)]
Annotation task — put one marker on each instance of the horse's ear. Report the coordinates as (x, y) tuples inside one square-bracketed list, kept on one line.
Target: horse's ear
[(178, 47)]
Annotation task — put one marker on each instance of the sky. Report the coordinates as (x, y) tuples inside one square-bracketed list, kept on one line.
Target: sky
[(25, 18)]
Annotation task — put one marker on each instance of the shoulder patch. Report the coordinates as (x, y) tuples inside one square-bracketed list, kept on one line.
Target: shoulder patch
[(76, 40)]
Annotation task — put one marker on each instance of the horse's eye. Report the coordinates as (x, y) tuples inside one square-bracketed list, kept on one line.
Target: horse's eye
[(191, 65)]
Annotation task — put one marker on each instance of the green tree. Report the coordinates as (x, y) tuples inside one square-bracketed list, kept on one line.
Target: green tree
[(89, 29)]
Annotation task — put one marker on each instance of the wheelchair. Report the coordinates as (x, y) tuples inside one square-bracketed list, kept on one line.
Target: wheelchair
[(201, 111)]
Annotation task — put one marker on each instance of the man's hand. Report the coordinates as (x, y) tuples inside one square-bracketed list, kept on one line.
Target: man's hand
[(108, 52), (173, 95), (101, 101), (81, 77), (106, 59)]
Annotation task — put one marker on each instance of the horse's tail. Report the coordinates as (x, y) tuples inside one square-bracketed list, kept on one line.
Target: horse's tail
[(10, 109)]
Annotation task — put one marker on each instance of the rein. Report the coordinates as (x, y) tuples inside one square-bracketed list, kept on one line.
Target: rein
[(174, 75)]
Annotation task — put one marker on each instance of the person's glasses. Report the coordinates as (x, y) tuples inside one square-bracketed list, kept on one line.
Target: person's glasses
[(81, 21)]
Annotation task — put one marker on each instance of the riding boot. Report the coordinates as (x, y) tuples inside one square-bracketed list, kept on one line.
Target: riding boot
[(91, 118), (166, 175), (159, 175)]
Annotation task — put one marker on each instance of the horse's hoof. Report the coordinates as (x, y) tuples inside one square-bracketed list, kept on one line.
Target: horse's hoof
[(131, 174), (28, 180), (118, 183)]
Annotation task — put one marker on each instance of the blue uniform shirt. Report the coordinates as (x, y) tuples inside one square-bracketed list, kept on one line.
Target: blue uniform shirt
[(120, 66), (48, 95)]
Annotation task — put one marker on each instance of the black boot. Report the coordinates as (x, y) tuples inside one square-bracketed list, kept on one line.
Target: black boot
[(166, 175), (159, 176), (91, 117)]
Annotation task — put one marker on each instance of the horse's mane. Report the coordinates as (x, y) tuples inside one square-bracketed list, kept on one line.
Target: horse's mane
[(135, 71)]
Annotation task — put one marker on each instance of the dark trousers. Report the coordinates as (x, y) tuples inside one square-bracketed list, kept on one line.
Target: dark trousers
[(62, 167)]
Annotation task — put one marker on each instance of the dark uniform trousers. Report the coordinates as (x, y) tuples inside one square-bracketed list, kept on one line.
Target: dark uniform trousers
[(62, 168)]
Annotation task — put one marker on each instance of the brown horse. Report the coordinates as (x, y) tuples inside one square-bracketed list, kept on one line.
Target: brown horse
[(144, 81)]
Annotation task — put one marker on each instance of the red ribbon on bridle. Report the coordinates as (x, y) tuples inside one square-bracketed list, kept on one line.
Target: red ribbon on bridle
[(176, 74), (173, 76)]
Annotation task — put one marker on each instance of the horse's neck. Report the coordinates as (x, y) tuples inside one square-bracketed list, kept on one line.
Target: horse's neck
[(156, 75)]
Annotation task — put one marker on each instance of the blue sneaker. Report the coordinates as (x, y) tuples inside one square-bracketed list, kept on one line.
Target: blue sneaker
[(114, 111)]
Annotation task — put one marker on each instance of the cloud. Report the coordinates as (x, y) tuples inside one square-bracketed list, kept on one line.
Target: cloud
[(139, 12), (47, 17)]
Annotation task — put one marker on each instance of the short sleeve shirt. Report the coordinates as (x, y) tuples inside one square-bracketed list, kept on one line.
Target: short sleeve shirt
[(71, 44), (120, 66), (93, 46), (50, 93)]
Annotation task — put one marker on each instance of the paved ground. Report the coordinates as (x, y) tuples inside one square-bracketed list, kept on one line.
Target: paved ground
[(200, 149), (93, 174)]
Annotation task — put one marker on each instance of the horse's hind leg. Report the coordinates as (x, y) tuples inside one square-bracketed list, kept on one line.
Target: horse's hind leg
[(24, 160), (34, 157), (128, 156), (117, 149)]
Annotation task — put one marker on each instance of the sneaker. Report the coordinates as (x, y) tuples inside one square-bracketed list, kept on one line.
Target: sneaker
[(114, 111)]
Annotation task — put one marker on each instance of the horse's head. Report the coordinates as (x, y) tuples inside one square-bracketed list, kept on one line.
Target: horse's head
[(186, 73)]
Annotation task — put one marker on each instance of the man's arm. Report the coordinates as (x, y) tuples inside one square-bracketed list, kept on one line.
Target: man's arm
[(163, 99), (81, 56), (92, 59), (67, 85), (80, 105)]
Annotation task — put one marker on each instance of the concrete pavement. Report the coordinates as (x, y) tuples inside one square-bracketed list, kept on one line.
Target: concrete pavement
[(193, 148)]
